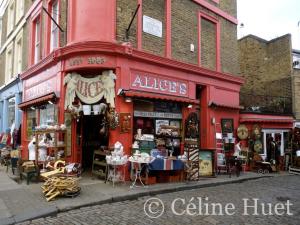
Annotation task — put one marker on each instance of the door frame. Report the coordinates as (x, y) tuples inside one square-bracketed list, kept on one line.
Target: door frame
[(273, 132)]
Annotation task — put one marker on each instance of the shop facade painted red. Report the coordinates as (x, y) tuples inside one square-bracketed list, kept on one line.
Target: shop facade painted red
[(136, 71), (93, 50)]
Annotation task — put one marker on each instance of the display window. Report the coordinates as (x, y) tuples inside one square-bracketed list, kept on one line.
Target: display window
[(11, 111), (158, 124), (31, 121), (48, 115)]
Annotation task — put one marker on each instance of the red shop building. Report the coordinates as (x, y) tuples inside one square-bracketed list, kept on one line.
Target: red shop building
[(143, 89)]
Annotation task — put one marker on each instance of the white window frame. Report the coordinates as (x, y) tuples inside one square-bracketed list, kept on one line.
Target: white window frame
[(37, 44), (1, 31), (19, 9), (54, 31), (18, 53), (272, 132), (9, 63), (10, 17)]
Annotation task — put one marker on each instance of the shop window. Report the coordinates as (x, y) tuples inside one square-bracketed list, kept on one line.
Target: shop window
[(19, 10), (10, 19), (54, 32), (48, 115), (9, 62), (37, 39), (31, 121), (161, 120), (18, 53), (11, 111)]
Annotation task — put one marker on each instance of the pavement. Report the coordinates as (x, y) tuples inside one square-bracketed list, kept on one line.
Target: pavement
[(20, 202)]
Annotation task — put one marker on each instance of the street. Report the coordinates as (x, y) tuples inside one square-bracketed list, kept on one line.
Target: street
[(277, 200)]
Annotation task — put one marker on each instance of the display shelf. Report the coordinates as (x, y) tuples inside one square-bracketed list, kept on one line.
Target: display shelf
[(58, 134), (99, 167)]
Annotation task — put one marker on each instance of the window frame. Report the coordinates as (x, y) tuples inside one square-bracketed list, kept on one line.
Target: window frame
[(9, 63), (215, 21), (19, 10), (18, 53), (10, 17), (53, 26)]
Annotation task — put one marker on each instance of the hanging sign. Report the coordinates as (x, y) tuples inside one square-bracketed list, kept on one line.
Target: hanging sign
[(153, 83), (90, 90)]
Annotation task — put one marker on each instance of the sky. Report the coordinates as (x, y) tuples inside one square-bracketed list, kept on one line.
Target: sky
[(269, 19)]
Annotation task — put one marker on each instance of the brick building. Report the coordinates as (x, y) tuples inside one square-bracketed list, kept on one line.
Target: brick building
[(13, 60), (171, 60), (268, 92), (296, 84)]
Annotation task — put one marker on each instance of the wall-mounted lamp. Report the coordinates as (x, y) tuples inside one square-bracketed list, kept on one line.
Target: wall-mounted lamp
[(33, 108), (50, 102), (190, 106), (128, 99), (213, 120)]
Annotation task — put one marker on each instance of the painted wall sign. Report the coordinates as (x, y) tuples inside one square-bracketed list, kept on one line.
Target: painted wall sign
[(158, 115), (41, 89), (153, 83), (76, 61), (152, 26), (90, 90)]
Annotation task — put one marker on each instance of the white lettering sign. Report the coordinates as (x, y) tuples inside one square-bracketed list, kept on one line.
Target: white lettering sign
[(156, 84), (152, 26)]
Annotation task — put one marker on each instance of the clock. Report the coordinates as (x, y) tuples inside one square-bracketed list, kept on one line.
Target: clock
[(242, 132), (257, 146)]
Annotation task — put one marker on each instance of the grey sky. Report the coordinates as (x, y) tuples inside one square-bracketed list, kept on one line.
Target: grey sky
[(269, 19)]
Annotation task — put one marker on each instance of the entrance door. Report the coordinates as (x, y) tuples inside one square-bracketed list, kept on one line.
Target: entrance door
[(278, 136), (92, 138)]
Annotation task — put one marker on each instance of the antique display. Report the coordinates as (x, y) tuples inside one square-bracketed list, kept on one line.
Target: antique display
[(242, 132), (227, 126)]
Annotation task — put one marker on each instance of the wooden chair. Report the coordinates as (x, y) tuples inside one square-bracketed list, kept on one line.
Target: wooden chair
[(33, 172)]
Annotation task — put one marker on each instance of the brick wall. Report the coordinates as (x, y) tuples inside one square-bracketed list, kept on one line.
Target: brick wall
[(296, 93), (184, 17), (208, 44), (156, 10), (125, 11), (266, 65)]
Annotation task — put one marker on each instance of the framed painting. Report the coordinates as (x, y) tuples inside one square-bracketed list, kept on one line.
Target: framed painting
[(227, 126)]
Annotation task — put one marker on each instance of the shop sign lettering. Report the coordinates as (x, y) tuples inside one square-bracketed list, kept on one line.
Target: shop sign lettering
[(158, 115), (154, 83), (92, 60), (40, 89)]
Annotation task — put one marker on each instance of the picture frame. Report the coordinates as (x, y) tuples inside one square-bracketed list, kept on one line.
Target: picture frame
[(125, 122), (159, 123), (227, 126)]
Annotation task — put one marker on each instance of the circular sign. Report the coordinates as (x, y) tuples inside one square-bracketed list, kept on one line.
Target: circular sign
[(242, 132)]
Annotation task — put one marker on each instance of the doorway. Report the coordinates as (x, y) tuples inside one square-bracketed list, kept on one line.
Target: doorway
[(94, 136)]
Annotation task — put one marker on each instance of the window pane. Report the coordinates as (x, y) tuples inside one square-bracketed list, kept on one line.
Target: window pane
[(31, 122), (48, 115)]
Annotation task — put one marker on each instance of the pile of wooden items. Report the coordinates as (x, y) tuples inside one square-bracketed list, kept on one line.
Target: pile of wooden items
[(60, 186), (61, 180)]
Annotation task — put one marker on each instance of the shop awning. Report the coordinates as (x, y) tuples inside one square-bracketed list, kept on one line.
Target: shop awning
[(37, 101), (227, 106), (160, 96), (259, 120)]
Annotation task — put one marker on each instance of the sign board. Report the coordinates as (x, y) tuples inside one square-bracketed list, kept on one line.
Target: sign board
[(90, 90), (41, 89), (153, 83), (158, 115), (152, 26)]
